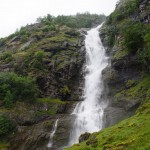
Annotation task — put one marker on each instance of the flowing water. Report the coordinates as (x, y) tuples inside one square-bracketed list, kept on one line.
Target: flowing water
[(50, 144), (89, 113)]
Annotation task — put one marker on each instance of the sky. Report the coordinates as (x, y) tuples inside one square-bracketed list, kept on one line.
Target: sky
[(17, 13)]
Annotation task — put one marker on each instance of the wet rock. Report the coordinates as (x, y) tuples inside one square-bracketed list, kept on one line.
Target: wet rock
[(32, 137), (62, 134), (113, 115), (84, 137)]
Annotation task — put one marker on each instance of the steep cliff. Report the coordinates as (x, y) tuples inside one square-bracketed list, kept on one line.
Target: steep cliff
[(126, 37)]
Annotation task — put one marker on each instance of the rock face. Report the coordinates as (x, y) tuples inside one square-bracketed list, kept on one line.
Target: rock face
[(115, 77), (35, 123), (55, 60), (65, 74), (32, 137), (122, 70)]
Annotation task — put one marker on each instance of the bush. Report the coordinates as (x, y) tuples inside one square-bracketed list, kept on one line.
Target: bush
[(37, 61), (16, 87), (50, 27), (7, 56), (117, 15), (65, 92), (6, 125), (133, 35), (39, 55)]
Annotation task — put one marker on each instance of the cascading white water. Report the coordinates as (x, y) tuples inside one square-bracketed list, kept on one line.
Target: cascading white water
[(50, 144), (89, 113)]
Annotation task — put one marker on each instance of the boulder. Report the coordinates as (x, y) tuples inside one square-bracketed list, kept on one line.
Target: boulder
[(84, 137)]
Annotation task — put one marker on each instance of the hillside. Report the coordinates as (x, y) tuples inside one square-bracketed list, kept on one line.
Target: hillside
[(126, 37), (41, 80)]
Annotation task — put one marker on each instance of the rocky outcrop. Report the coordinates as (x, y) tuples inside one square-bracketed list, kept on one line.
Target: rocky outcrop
[(84, 137), (122, 69), (35, 123), (143, 14), (59, 73)]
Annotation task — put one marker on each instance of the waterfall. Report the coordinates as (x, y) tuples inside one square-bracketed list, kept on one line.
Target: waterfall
[(52, 134), (89, 113)]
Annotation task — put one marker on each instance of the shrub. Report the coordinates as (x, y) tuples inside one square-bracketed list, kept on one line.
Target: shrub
[(38, 60), (50, 27), (16, 87), (117, 16), (6, 125), (7, 56), (39, 55), (65, 92), (133, 35)]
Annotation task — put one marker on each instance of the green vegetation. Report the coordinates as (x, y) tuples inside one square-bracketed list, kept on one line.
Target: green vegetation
[(14, 87), (24, 33), (85, 20), (136, 91), (6, 125), (133, 34), (124, 9), (65, 90), (49, 100), (128, 34), (8, 100), (120, 54), (7, 57), (53, 106)]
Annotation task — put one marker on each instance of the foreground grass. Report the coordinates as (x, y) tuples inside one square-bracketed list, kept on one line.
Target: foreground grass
[(130, 134)]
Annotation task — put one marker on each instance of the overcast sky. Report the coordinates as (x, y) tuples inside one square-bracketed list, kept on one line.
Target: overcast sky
[(17, 13)]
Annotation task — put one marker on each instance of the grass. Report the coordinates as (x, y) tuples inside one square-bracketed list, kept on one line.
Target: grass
[(120, 54), (130, 134), (137, 91), (62, 38), (49, 100), (53, 106)]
